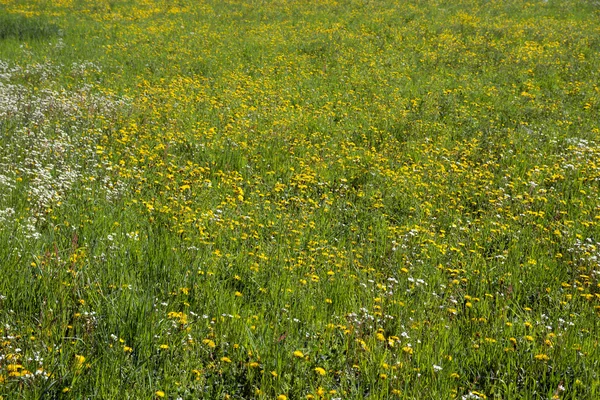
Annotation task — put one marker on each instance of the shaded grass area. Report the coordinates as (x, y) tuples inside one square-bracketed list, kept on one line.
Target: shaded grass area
[(20, 27)]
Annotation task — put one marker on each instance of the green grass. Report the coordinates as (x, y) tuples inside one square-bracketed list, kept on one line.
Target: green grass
[(20, 27), (309, 199)]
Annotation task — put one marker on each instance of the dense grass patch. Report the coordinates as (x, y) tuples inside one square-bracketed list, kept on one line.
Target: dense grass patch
[(20, 27), (299, 199)]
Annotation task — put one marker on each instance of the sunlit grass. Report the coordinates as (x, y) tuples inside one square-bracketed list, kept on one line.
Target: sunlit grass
[(315, 199)]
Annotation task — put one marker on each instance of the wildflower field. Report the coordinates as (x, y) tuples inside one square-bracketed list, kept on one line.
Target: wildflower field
[(299, 199)]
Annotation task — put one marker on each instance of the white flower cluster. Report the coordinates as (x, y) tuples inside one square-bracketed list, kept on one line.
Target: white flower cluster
[(48, 142)]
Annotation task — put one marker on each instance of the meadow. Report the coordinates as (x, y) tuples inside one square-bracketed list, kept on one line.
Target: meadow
[(299, 199)]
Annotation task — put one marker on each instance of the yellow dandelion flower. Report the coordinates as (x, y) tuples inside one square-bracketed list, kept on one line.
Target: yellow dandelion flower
[(320, 371)]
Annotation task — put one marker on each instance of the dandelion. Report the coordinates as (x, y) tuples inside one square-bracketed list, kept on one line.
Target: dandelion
[(320, 371), (79, 360)]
